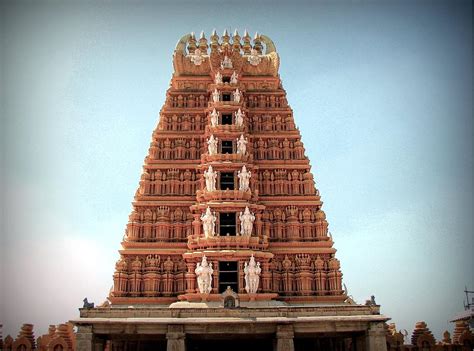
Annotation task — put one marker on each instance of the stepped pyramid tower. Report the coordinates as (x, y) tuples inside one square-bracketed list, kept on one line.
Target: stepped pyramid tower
[(227, 245)]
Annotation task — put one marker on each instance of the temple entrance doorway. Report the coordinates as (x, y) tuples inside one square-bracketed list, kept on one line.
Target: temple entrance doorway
[(237, 343)]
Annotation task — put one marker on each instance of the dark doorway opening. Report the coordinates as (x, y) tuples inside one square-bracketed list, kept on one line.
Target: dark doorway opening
[(226, 79), (227, 147), (225, 97), (240, 343), (227, 225), (228, 276), (227, 119), (227, 180)]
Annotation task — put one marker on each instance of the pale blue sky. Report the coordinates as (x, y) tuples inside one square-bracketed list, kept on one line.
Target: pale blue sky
[(382, 94)]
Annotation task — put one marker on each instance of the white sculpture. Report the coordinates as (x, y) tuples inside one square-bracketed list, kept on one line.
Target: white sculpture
[(252, 276), (244, 178), (210, 177), (212, 145), (237, 95), (226, 62), (215, 96), (204, 276), (246, 222), (254, 58), (208, 223), (197, 58), (239, 118), (218, 78), (241, 145), (214, 118), (233, 78)]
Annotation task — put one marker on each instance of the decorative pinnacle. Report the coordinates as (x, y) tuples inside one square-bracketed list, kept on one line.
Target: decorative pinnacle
[(202, 36), (236, 34), (225, 33), (192, 35), (214, 32), (246, 34), (256, 36)]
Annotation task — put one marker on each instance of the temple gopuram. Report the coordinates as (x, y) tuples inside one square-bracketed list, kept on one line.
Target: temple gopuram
[(227, 245)]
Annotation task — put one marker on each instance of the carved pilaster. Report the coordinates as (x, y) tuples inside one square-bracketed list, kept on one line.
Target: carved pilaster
[(84, 338), (285, 335), (376, 338), (176, 338)]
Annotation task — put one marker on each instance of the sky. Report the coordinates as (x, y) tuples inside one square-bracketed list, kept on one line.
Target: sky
[(381, 92)]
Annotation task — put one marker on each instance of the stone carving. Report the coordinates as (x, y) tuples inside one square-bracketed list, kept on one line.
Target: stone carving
[(215, 95), (237, 95), (233, 78), (218, 78), (252, 276), (208, 223), (244, 179), (254, 58), (214, 118), (210, 177), (197, 58), (212, 145), (239, 117), (204, 275), (226, 62), (241, 145), (87, 304), (246, 222)]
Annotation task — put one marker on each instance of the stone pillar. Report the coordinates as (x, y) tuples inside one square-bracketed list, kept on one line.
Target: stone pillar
[(99, 345), (376, 337), (285, 336), (176, 338), (84, 338)]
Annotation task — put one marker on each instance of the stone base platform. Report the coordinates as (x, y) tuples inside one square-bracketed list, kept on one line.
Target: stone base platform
[(204, 326)]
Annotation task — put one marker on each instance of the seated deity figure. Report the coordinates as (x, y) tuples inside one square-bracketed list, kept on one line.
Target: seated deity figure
[(210, 177), (218, 78), (215, 95), (246, 222), (212, 145), (254, 59), (197, 58), (252, 272), (214, 118), (204, 273), (244, 178), (241, 145), (226, 62), (239, 118), (208, 223), (233, 78), (237, 95)]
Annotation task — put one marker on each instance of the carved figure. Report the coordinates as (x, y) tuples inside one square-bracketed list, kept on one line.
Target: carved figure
[(239, 116), (237, 95), (87, 304), (241, 145), (254, 58), (197, 58), (208, 223), (204, 275), (210, 177), (212, 145), (215, 95), (214, 118), (226, 62), (246, 222), (252, 275), (233, 78), (244, 179), (218, 78)]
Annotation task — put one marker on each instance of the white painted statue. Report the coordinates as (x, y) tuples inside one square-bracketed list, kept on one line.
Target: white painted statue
[(244, 178), (246, 222), (212, 145), (254, 58), (239, 118), (208, 223), (237, 95), (197, 58), (214, 118), (252, 276), (210, 177), (215, 96), (233, 78), (204, 276), (241, 145), (218, 78), (226, 62)]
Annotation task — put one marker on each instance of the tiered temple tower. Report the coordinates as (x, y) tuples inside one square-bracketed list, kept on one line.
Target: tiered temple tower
[(226, 189)]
